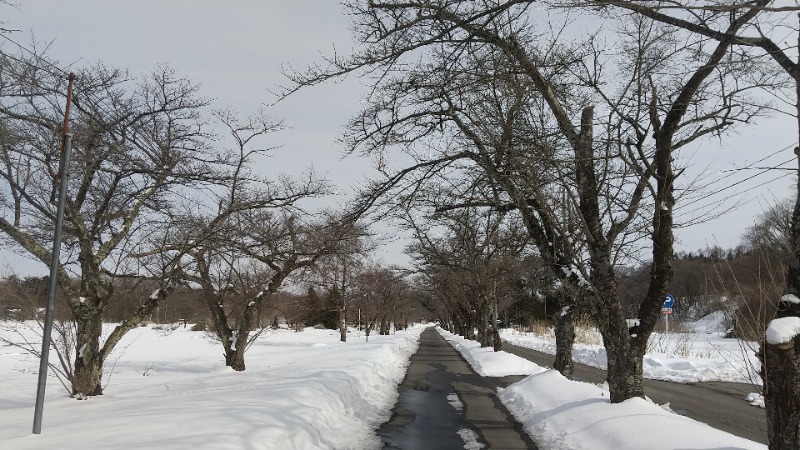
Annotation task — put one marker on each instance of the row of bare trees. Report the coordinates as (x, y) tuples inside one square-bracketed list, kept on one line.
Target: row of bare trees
[(163, 198), (488, 93), (557, 126), (573, 116), (474, 264)]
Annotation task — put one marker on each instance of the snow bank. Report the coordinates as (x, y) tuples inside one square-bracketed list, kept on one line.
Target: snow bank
[(300, 391), (488, 363), (562, 414)]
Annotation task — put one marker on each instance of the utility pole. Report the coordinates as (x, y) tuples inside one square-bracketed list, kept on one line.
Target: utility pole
[(61, 178)]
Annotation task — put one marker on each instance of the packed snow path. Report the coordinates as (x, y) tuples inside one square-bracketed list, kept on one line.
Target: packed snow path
[(444, 404)]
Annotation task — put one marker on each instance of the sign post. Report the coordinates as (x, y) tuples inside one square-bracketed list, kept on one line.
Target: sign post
[(667, 310)]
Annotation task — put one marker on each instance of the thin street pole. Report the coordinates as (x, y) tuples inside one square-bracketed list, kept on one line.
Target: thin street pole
[(62, 177)]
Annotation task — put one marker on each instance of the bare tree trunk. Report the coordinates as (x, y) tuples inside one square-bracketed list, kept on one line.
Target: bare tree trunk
[(384, 327), (88, 359), (343, 322), (780, 364), (496, 342), (234, 357), (483, 325), (565, 335), (780, 370), (620, 379), (368, 327), (624, 371)]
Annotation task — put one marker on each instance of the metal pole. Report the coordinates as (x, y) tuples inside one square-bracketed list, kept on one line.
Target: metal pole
[(51, 290), (62, 177)]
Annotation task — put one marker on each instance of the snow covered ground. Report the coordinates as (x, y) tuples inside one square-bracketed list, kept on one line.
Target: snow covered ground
[(171, 390), (561, 414), (702, 355)]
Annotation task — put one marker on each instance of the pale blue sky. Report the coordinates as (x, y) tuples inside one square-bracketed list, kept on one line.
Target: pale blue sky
[(235, 50)]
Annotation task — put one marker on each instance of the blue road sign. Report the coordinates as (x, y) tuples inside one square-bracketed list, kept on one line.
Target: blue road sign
[(669, 301)]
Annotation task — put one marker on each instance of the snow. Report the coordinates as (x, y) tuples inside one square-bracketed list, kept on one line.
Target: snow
[(677, 357), (790, 298), (633, 322), (169, 389), (470, 439), (455, 402), (489, 363), (572, 271), (562, 414), (712, 323), (783, 330), (755, 399)]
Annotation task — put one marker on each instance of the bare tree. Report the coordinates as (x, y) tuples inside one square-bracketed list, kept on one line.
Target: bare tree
[(137, 145), (556, 103), (780, 370), (378, 293), (241, 244), (773, 230), (335, 272), (239, 270), (475, 257)]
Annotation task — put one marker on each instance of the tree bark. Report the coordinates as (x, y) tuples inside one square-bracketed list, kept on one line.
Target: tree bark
[(565, 336), (780, 370), (384, 327), (234, 358), (88, 359), (343, 322)]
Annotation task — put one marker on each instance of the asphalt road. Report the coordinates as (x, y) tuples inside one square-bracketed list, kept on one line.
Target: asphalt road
[(720, 405), (442, 399)]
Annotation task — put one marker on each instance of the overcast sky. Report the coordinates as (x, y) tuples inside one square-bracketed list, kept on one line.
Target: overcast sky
[(236, 50)]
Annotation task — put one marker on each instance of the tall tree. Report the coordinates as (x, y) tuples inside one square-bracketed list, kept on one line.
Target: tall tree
[(437, 63), (336, 271), (762, 19), (379, 293), (477, 255), (135, 146)]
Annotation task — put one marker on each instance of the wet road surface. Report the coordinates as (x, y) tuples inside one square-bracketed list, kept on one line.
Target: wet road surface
[(444, 405)]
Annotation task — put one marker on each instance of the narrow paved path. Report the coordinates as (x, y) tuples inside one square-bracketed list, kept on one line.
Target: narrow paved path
[(720, 405), (445, 405)]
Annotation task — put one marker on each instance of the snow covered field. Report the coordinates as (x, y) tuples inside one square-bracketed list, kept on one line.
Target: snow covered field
[(680, 357), (561, 414), (171, 390)]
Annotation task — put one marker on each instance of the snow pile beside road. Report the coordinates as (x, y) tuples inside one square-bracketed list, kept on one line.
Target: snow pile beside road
[(488, 363), (562, 414), (300, 391)]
